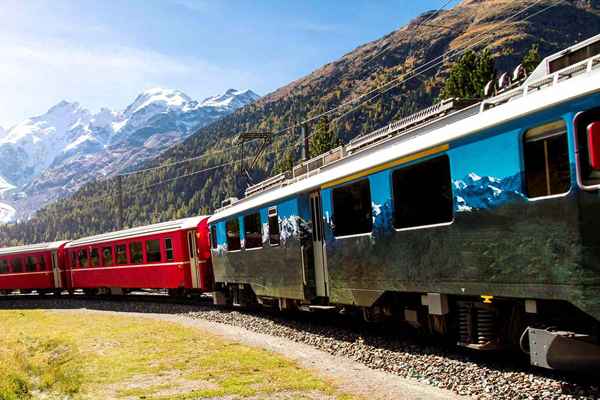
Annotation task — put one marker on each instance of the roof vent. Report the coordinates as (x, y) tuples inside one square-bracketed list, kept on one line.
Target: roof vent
[(229, 201)]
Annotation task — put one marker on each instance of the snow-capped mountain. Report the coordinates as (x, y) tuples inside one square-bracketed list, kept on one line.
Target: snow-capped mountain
[(52, 155), (476, 193)]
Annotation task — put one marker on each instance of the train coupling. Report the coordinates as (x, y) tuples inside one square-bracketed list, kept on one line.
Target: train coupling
[(562, 350)]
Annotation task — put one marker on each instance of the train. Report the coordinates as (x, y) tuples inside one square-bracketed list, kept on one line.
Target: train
[(470, 220)]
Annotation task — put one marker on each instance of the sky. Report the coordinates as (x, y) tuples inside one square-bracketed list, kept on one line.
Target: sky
[(104, 53)]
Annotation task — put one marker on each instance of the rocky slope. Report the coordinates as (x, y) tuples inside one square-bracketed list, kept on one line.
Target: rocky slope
[(53, 155), (369, 66)]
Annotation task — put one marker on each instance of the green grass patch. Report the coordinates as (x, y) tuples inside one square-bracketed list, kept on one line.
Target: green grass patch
[(89, 356)]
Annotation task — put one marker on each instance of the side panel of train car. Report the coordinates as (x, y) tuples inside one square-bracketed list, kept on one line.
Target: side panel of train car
[(265, 248), (36, 267), (163, 256), (500, 214)]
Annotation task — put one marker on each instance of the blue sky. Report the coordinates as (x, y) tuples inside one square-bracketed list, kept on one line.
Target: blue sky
[(103, 53)]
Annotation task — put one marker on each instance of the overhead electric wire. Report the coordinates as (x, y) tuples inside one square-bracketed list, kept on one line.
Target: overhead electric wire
[(396, 82), (233, 146)]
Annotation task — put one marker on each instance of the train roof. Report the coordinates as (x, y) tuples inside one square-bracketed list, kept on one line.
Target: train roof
[(163, 227), (431, 131), (32, 248)]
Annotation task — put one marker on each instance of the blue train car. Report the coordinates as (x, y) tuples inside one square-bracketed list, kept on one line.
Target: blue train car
[(478, 221)]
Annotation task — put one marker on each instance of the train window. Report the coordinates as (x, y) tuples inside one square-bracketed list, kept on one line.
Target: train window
[(252, 231), (233, 235), (94, 258), (137, 254), (107, 257), (352, 213), (30, 263), (43, 263), (274, 236), (17, 265), (3, 267), (121, 254), (213, 237), (169, 249), (546, 154), (153, 251), (83, 258), (73, 259), (423, 194)]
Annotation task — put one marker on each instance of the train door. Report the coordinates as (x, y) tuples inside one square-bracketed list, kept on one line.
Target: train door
[(193, 253), (56, 270), (321, 276)]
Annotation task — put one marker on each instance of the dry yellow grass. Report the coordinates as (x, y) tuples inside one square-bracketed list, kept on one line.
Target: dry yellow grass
[(82, 356)]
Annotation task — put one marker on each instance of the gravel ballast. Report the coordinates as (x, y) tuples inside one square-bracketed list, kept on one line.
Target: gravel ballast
[(483, 376)]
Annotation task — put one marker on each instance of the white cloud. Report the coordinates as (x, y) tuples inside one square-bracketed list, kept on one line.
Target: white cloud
[(35, 76)]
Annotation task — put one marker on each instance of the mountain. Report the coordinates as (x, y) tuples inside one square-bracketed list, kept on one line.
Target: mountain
[(481, 193), (52, 155), (552, 25)]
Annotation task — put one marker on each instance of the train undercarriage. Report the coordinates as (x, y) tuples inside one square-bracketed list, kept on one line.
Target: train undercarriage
[(553, 334)]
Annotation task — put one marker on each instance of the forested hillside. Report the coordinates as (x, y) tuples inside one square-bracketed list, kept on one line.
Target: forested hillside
[(157, 195)]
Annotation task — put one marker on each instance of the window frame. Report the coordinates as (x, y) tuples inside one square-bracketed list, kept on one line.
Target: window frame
[(31, 263), (344, 185), (112, 256), (576, 143), (239, 234), (124, 246), (260, 232), (522, 143), (4, 266), (168, 249), (276, 216), (393, 193), (141, 252), (148, 253), (13, 263), (79, 253), (91, 257), (214, 243)]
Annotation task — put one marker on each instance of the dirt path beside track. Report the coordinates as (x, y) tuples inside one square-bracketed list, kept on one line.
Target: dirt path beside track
[(349, 376)]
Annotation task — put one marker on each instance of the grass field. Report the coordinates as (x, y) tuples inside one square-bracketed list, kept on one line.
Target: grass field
[(50, 355)]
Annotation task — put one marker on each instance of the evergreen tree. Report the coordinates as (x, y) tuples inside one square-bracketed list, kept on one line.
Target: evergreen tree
[(322, 139), (469, 76), (286, 163), (531, 59)]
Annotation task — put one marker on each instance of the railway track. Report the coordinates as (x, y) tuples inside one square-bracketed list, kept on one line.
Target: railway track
[(405, 353)]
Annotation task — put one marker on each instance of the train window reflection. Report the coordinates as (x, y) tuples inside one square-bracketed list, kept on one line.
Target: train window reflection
[(252, 231), (107, 257), (546, 156), (94, 258), (30, 264), (3, 267), (121, 254), (274, 236), (169, 249), (83, 258), (352, 212), (233, 235), (423, 194), (153, 251), (17, 265), (137, 255)]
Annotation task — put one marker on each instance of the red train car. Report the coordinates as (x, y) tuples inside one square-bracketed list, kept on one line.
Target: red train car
[(173, 255), (38, 267)]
